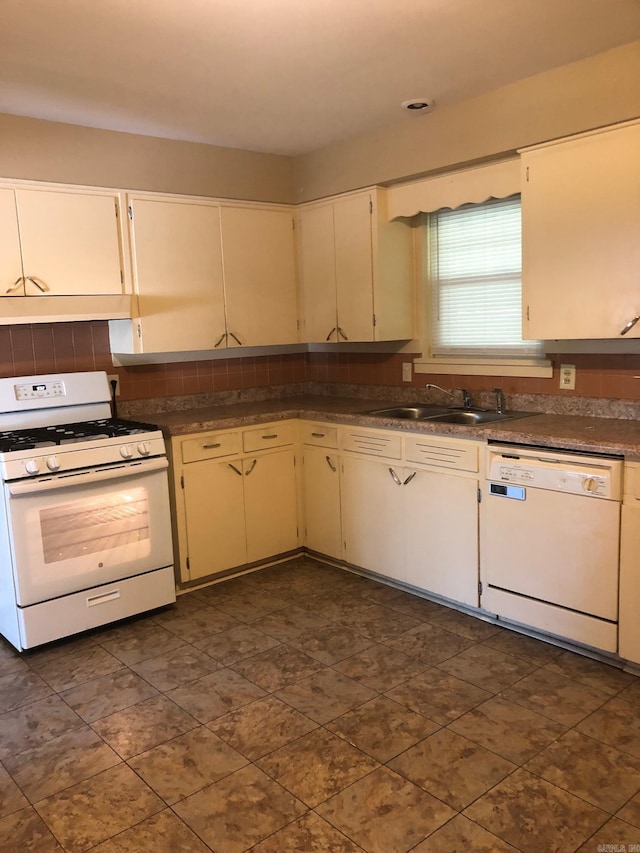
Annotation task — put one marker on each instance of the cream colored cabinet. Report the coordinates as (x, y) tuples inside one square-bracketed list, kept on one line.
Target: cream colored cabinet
[(321, 489), (581, 236), (629, 605), (356, 270), (235, 496), (259, 276)]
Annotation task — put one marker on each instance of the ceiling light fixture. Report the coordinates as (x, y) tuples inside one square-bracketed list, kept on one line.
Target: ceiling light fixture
[(418, 106)]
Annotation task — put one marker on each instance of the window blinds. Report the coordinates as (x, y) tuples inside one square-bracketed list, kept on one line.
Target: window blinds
[(475, 265)]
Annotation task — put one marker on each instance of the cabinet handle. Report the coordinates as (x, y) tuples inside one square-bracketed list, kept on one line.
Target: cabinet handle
[(275, 435), (16, 284), (210, 446), (42, 287), (237, 340), (220, 339), (409, 478), (233, 468), (330, 464), (395, 477), (317, 434), (344, 337), (251, 467), (629, 325), (328, 338)]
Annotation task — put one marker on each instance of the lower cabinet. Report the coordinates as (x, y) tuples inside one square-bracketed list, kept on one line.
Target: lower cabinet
[(321, 499), (236, 501)]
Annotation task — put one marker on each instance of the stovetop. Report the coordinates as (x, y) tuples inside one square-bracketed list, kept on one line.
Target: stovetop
[(49, 436)]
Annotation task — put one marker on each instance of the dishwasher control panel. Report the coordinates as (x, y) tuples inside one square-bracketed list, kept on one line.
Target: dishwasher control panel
[(596, 477)]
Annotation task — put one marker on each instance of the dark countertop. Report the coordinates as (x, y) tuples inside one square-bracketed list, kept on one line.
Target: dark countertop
[(572, 432)]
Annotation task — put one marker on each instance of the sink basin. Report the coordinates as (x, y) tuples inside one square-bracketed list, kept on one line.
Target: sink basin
[(414, 413), (478, 418)]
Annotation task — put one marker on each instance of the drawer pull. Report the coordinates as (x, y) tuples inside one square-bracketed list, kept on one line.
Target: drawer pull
[(318, 434), (251, 467), (210, 446), (275, 435), (104, 598), (233, 468), (330, 464)]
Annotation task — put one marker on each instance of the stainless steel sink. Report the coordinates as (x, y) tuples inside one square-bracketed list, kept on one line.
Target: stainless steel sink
[(414, 413), (444, 415)]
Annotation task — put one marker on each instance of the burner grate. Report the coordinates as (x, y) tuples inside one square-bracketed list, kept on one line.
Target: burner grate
[(28, 439)]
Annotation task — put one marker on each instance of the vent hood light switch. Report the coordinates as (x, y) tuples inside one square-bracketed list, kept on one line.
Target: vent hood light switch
[(568, 377)]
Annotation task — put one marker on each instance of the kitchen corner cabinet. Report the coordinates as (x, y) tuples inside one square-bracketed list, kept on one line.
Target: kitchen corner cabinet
[(581, 236), (60, 243), (321, 489), (235, 498), (356, 270)]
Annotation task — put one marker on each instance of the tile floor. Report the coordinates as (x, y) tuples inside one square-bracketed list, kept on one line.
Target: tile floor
[(303, 708)]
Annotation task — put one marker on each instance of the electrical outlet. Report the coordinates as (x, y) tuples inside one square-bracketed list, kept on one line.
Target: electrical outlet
[(568, 376), (113, 377), (406, 371)]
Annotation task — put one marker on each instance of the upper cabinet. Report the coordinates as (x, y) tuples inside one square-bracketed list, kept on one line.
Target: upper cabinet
[(581, 237), (356, 271)]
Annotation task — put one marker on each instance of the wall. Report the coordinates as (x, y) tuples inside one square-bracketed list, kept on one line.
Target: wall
[(63, 153), (591, 93)]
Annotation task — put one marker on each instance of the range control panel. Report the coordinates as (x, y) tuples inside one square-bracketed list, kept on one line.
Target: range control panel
[(39, 390)]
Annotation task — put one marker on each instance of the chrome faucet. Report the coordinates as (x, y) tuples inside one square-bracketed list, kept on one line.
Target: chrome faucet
[(500, 401), (467, 399)]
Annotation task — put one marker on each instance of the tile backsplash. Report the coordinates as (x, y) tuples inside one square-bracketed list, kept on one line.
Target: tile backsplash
[(54, 347)]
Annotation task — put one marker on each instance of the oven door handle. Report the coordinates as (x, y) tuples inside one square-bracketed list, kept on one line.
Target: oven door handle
[(95, 475)]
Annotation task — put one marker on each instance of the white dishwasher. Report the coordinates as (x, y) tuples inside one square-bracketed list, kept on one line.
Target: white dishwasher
[(550, 542)]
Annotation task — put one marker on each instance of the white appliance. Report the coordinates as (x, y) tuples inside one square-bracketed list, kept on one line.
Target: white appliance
[(85, 530), (550, 540)]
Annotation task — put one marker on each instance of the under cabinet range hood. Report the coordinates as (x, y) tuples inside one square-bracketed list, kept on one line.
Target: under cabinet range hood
[(63, 309)]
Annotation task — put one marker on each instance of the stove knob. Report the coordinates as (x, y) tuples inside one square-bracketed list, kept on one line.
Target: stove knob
[(589, 484), (126, 452), (32, 466), (144, 449), (52, 463)]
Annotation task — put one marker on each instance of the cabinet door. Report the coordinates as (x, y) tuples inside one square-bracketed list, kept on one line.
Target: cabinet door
[(372, 516), (178, 275), (580, 227), (321, 494), (441, 523), (318, 273), (271, 507), (70, 242), (10, 263), (214, 517), (259, 276), (354, 267)]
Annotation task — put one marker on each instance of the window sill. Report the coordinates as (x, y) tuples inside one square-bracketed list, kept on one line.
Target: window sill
[(540, 368)]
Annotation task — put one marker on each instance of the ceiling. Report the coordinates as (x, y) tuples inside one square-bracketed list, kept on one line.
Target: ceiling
[(282, 76)]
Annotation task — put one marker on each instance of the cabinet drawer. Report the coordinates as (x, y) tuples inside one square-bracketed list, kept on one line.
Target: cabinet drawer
[(210, 445), (441, 452), (320, 434), (372, 442), (270, 435)]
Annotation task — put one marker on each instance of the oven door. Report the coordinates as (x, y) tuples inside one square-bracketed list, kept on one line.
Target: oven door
[(74, 531)]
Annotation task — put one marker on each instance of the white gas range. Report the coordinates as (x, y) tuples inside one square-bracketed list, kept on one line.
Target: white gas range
[(85, 529)]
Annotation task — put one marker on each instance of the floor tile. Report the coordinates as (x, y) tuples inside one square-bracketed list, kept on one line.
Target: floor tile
[(82, 664), (615, 835), (10, 660), (534, 815), (616, 723), (452, 768), (331, 643), (35, 724), (154, 640), (92, 811), (382, 728), (430, 644), (251, 605), (73, 757), (487, 668), (464, 624), (262, 727), (385, 813), (413, 605), (630, 812), (598, 773), (237, 643), (107, 694), (308, 834), (162, 833), (143, 726), (380, 624), (25, 831), (380, 667), (562, 699), (289, 623), (180, 767), (276, 668), (200, 624), (11, 797), (264, 807), (631, 693), (439, 696), (515, 733), (216, 694), (591, 672), (316, 766), (173, 669), (21, 688), (461, 834), (325, 695), (521, 646), (381, 593)]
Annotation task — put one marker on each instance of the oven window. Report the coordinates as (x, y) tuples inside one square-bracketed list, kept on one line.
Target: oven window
[(94, 525)]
